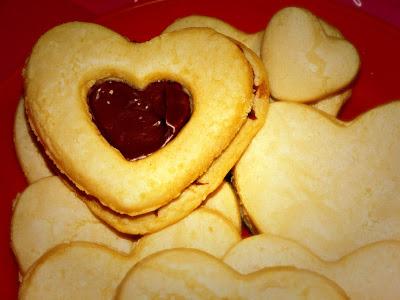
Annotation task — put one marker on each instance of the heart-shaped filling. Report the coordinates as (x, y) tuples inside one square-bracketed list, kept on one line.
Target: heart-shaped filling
[(139, 122)]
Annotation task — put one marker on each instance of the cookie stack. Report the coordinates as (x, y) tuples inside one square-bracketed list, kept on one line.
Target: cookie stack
[(112, 111), (320, 195)]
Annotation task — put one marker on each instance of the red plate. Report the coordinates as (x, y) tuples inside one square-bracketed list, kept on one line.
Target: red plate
[(377, 42)]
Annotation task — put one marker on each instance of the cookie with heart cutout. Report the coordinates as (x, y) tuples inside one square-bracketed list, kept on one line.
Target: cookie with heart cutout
[(196, 193), (82, 59), (48, 213), (330, 185), (192, 274), (31, 157), (330, 104), (307, 58), (370, 272), (81, 270)]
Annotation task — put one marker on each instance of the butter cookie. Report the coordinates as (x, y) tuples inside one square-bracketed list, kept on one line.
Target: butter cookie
[(72, 59), (307, 58), (330, 185)]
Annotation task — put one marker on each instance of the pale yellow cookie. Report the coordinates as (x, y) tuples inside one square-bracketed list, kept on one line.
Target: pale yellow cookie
[(31, 157), (332, 186), (69, 59), (371, 272), (251, 40), (193, 196), (334, 103), (48, 213), (192, 274), (225, 201), (306, 58), (89, 271)]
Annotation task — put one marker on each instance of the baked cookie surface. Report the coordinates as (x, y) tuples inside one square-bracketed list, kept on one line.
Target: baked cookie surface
[(307, 58), (101, 269), (79, 54), (329, 185), (357, 273)]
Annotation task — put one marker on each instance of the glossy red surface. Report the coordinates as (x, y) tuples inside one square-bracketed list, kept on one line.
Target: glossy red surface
[(377, 42)]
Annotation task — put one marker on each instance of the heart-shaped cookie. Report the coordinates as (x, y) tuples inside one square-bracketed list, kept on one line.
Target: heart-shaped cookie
[(329, 185), (306, 59), (192, 274), (81, 270), (370, 272), (70, 59)]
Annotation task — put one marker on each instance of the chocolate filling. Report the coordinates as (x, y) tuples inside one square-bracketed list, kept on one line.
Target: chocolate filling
[(139, 122)]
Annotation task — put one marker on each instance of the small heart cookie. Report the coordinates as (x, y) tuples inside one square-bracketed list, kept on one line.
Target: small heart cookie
[(192, 274), (358, 273), (90, 271), (307, 59), (76, 61), (329, 185)]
